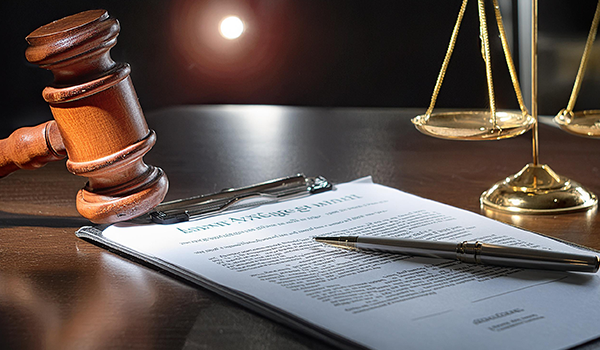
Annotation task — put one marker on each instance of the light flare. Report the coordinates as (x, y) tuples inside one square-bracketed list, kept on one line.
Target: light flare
[(231, 27)]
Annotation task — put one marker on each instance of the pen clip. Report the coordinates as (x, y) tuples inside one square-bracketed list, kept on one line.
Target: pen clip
[(236, 198)]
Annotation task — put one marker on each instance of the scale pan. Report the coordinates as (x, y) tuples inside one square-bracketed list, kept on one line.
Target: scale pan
[(473, 125), (583, 123)]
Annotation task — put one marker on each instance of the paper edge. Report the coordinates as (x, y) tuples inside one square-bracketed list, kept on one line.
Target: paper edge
[(263, 308)]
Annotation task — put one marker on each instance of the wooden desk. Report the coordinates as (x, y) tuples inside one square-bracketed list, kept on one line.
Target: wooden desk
[(60, 292)]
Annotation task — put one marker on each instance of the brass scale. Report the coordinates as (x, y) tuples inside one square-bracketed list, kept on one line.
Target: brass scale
[(536, 189)]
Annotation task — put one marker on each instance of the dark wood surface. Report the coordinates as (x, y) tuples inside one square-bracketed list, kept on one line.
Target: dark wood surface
[(60, 292)]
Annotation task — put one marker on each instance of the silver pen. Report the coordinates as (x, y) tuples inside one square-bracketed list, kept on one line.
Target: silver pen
[(472, 252)]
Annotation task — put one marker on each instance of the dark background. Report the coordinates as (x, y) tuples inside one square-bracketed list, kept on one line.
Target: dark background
[(309, 53)]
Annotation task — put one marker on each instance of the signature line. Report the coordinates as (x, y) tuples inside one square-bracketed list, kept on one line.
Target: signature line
[(432, 315), (519, 289)]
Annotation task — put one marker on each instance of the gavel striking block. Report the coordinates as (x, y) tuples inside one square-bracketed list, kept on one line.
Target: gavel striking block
[(99, 123)]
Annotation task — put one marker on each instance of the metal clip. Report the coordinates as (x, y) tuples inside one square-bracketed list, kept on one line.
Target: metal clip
[(236, 198)]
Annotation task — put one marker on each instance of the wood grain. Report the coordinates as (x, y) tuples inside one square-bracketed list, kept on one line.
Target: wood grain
[(31, 148), (60, 292), (98, 123)]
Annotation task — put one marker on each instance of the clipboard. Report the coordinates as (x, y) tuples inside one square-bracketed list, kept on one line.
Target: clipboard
[(369, 197), (202, 206), (226, 200)]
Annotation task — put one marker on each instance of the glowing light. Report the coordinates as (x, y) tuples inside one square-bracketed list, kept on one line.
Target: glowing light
[(231, 27)]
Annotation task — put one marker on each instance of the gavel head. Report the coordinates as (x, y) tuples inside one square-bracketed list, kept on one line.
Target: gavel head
[(99, 117)]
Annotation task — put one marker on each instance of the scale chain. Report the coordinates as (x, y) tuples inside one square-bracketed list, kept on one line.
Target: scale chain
[(440, 78), (584, 60), (485, 46), (509, 60)]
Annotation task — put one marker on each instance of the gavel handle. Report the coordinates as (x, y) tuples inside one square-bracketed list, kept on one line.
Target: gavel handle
[(31, 148)]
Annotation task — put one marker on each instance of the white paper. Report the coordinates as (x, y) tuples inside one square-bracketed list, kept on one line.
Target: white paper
[(381, 301)]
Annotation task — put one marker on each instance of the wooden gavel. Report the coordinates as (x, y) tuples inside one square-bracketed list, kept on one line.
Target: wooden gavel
[(98, 122)]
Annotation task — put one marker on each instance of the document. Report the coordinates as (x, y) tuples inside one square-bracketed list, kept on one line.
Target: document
[(266, 258)]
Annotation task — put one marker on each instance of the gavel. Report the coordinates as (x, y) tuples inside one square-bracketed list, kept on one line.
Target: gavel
[(98, 122)]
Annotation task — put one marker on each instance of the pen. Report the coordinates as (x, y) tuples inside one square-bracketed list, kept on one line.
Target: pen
[(471, 252)]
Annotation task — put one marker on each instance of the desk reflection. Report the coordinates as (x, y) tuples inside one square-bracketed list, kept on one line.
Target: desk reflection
[(100, 308)]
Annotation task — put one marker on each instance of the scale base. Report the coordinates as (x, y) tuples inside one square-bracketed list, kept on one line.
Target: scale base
[(536, 189)]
